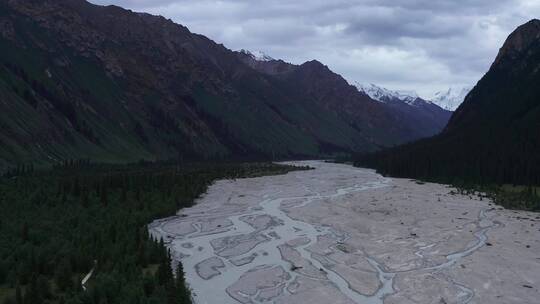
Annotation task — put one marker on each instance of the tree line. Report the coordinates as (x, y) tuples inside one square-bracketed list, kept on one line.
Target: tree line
[(470, 160)]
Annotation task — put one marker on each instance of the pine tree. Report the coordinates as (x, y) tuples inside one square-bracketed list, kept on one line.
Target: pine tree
[(112, 233), (138, 194), (63, 275), (84, 198), (76, 191), (32, 295), (123, 196), (44, 288), (3, 273), (161, 274), (141, 254), (164, 272), (103, 197), (24, 232), (183, 292), (18, 295)]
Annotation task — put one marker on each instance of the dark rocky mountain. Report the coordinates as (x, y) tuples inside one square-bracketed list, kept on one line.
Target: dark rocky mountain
[(79, 80), (410, 119), (494, 136)]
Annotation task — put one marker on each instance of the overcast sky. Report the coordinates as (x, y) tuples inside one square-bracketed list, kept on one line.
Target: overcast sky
[(422, 45)]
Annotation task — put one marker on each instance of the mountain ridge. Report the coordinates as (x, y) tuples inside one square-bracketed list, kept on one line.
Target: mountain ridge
[(102, 82), (448, 100), (383, 94)]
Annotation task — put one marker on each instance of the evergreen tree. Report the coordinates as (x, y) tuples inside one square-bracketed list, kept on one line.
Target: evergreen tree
[(103, 196), (18, 295), (44, 289), (183, 292), (32, 295), (24, 232), (76, 191), (84, 198), (123, 196), (63, 276)]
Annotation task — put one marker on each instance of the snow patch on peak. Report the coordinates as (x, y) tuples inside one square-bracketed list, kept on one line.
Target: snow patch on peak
[(448, 100), (451, 98), (257, 55), (384, 95)]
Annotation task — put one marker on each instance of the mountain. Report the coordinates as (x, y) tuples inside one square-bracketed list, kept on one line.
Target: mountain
[(401, 122), (257, 55), (450, 99), (428, 115), (79, 80), (384, 95), (494, 136)]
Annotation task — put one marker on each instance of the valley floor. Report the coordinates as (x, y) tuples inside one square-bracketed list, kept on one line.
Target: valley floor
[(339, 234)]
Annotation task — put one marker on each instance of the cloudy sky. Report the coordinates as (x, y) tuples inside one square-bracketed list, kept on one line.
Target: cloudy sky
[(422, 45)]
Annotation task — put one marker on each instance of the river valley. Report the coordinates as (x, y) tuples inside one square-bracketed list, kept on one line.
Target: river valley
[(339, 234)]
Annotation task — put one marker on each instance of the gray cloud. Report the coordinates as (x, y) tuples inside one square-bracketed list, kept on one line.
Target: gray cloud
[(423, 45)]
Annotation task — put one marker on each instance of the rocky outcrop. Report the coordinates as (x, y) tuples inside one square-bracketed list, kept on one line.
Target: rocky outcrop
[(519, 41)]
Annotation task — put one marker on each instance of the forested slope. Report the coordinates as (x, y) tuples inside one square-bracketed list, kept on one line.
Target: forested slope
[(58, 225), (494, 136)]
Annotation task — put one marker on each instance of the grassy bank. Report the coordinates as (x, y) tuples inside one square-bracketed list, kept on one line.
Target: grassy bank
[(516, 197)]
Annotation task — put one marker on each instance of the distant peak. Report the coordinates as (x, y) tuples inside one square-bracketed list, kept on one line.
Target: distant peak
[(383, 94), (451, 98), (257, 55)]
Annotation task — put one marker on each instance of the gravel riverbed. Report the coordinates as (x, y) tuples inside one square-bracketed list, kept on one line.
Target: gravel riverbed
[(339, 234)]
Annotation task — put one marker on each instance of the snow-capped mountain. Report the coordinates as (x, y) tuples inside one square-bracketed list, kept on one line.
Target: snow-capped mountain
[(257, 55), (450, 99), (409, 104), (385, 95)]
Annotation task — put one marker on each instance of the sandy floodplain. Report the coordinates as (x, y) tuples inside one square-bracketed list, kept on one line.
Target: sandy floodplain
[(339, 234)]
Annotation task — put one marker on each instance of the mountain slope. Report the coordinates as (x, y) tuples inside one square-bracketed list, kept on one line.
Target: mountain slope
[(84, 81), (381, 124), (494, 136)]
